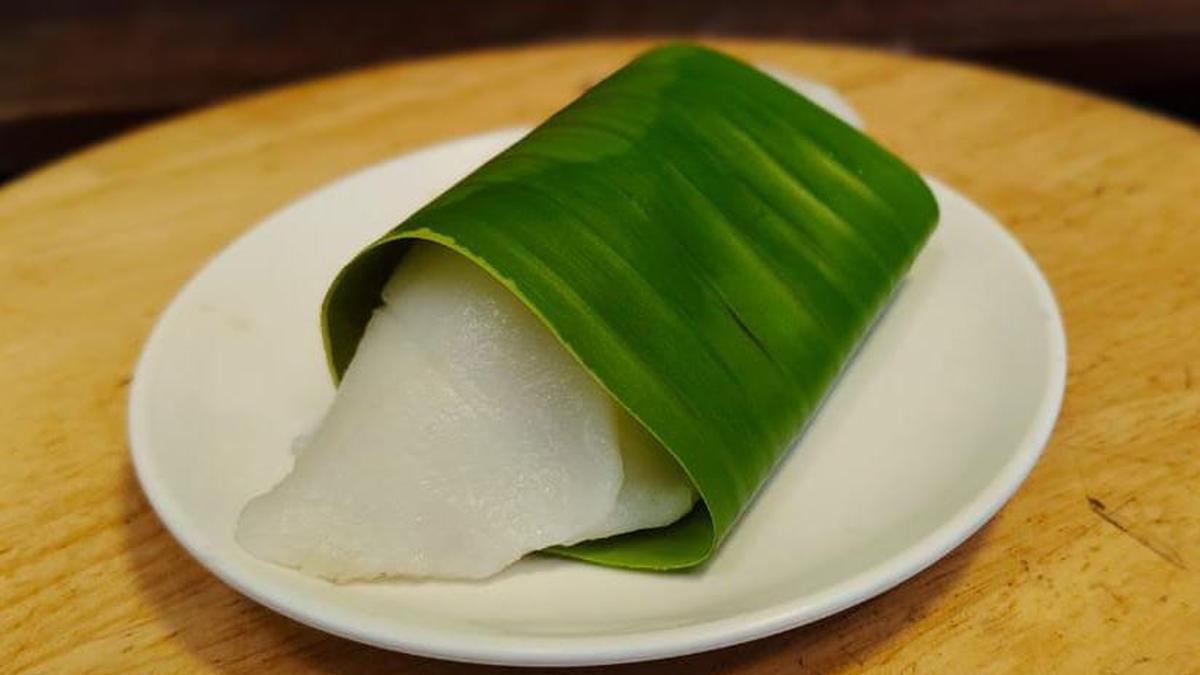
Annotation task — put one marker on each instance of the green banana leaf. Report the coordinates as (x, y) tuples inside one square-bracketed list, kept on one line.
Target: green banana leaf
[(709, 244)]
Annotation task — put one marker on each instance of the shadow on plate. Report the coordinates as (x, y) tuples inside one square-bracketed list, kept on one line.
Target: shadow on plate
[(234, 634)]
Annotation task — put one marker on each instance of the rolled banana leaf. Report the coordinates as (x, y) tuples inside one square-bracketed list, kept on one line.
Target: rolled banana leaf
[(710, 245)]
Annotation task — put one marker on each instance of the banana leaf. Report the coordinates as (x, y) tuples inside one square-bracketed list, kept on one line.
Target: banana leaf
[(710, 245)]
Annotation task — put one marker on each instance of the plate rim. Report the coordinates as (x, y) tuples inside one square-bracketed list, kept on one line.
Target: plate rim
[(649, 645)]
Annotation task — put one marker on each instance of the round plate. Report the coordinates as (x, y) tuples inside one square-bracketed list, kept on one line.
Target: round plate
[(932, 427)]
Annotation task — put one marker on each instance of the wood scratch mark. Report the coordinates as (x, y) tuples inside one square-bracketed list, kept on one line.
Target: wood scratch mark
[(1117, 597), (1140, 661), (1187, 377), (852, 653), (1152, 543)]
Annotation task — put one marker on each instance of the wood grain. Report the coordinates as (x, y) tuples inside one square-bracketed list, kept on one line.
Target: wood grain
[(1091, 568)]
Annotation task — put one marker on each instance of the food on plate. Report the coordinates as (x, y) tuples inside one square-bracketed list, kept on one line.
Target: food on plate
[(599, 343)]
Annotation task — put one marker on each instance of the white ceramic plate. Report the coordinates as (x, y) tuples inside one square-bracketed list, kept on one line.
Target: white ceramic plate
[(933, 426)]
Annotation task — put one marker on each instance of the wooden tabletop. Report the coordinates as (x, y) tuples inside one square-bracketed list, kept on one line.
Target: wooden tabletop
[(1093, 567)]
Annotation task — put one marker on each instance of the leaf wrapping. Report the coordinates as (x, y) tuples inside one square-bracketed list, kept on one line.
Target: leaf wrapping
[(710, 245)]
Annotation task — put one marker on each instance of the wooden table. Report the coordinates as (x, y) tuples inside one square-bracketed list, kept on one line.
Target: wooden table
[(1092, 568)]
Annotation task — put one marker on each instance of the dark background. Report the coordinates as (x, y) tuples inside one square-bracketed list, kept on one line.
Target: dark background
[(75, 71)]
